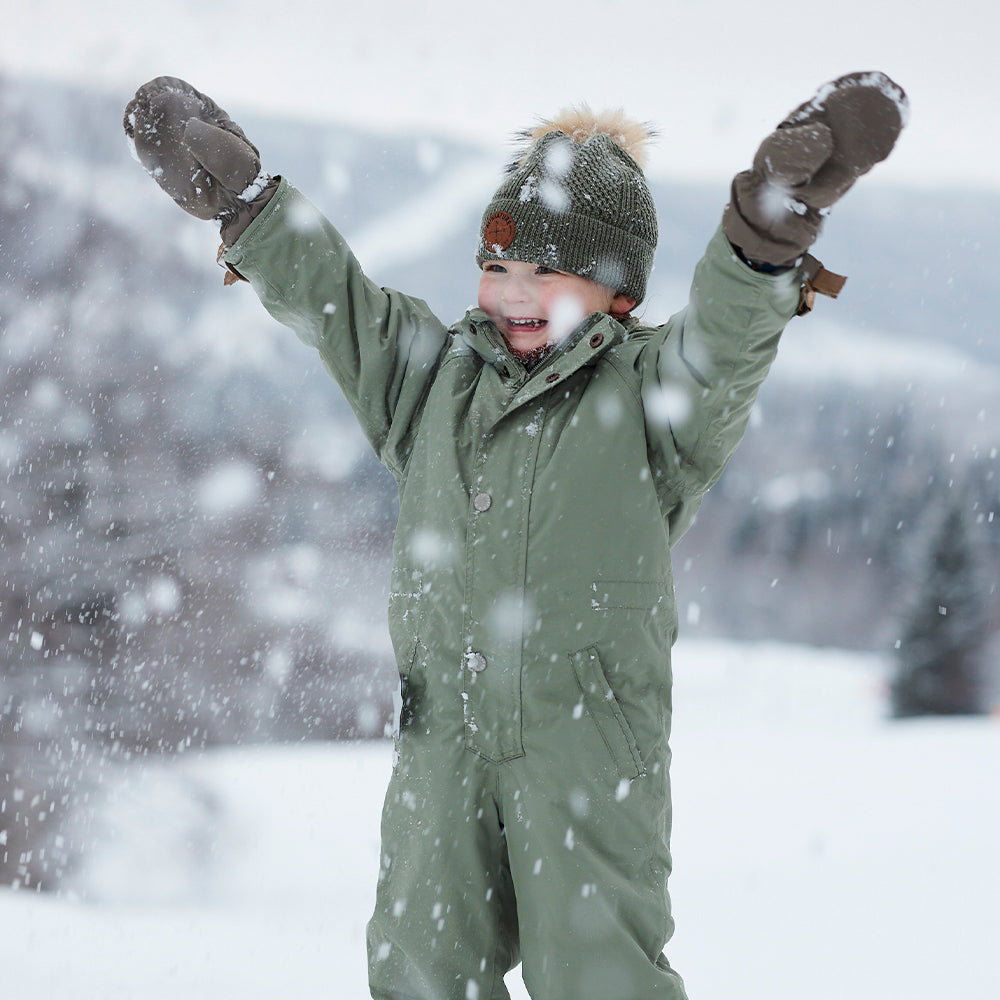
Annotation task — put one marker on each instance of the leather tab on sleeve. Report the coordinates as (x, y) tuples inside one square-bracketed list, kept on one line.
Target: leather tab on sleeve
[(232, 275), (817, 278), (828, 283)]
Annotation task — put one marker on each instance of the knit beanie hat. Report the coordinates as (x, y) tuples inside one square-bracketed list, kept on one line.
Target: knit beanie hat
[(576, 200)]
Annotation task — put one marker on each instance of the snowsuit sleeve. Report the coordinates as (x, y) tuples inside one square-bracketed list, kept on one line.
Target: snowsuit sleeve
[(379, 345), (701, 372)]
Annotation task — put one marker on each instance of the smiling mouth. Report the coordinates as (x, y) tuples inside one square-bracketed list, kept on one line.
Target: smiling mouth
[(525, 325)]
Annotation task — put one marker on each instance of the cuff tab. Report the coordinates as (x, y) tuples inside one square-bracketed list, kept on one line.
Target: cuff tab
[(232, 275), (817, 278)]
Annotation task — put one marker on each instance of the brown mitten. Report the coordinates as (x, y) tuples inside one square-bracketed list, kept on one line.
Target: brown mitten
[(197, 154), (808, 162)]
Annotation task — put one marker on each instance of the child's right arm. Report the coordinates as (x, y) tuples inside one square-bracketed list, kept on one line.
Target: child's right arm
[(379, 345)]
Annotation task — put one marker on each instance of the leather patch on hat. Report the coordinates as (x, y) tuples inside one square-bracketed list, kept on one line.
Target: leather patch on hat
[(498, 233)]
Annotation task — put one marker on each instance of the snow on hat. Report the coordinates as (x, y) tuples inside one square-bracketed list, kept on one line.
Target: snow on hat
[(576, 200)]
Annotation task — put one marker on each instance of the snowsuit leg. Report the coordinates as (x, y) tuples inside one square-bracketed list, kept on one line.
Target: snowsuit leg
[(593, 919), (589, 862), (445, 922)]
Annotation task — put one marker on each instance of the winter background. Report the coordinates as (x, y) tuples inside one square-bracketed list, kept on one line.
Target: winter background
[(194, 670)]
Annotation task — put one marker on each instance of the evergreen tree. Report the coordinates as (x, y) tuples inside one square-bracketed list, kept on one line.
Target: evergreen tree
[(938, 669)]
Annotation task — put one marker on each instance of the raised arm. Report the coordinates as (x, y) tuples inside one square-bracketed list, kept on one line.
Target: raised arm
[(379, 345), (702, 371)]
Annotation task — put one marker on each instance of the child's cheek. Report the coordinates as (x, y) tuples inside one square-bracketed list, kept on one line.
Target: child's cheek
[(487, 295)]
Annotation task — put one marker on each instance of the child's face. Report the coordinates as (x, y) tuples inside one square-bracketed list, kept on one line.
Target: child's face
[(533, 305)]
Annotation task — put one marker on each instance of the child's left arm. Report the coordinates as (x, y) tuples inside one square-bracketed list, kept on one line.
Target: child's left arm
[(701, 378)]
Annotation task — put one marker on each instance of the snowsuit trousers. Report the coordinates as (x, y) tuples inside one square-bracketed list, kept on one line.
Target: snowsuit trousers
[(557, 858)]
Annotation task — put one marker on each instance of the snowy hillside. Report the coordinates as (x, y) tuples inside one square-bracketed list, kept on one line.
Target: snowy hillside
[(819, 850)]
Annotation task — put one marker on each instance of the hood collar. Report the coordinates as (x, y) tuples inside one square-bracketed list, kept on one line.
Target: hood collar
[(592, 337)]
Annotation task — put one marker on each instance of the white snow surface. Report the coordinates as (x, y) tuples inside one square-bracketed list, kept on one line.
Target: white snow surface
[(820, 851), (713, 77)]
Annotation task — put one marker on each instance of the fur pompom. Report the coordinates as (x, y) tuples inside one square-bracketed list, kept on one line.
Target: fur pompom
[(580, 124)]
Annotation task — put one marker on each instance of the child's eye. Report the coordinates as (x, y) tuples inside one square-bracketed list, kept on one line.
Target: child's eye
[(542, 269), (497, 268)]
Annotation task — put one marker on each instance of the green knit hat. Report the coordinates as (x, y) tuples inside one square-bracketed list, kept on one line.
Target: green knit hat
[(577, 201)]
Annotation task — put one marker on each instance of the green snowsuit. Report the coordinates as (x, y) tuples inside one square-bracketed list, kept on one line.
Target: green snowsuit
[(531, 609)]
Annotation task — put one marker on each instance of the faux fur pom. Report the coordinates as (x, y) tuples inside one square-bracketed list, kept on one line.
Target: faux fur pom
[(580, 124)]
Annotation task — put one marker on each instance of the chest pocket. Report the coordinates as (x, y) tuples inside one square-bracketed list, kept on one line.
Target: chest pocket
[(636, 595)]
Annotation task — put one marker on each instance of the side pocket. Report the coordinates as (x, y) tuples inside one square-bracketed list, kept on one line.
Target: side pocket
[(599, 701), (403, 699)]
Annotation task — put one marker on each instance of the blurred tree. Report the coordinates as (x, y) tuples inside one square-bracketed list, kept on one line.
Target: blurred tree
[(945, 623)]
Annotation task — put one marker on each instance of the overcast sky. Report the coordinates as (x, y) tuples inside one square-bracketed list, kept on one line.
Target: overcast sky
[(713, 76)]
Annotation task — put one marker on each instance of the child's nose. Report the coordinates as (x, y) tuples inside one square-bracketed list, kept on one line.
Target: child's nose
[(516, 289)]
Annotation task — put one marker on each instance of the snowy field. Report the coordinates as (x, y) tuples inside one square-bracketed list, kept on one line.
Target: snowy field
[(820, 850)]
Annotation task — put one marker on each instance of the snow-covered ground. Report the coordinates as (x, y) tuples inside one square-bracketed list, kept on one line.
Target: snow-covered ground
[(821, 851)]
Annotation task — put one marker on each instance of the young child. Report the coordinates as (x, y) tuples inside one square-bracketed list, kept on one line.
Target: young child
[(549, 449)]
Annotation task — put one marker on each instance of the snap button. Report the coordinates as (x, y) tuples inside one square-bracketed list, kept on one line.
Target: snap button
[(597, 339), (476, 662), (554, 377), (482, 502)]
